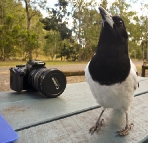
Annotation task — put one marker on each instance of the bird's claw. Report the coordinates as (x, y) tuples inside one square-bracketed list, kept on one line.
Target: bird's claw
[(125, 131), (96, 127)]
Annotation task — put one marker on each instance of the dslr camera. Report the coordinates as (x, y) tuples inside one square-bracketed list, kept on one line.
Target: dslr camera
[(34, 76)]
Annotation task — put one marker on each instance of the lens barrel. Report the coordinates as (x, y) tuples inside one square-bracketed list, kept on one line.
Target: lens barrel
[(50, 82)]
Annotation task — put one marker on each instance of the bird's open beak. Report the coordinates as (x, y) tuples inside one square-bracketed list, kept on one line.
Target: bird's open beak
[(106, 17)]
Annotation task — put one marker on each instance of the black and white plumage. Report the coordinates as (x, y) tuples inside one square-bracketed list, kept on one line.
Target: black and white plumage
[(111, 75)]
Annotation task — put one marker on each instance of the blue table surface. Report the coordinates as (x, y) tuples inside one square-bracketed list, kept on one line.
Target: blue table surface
[(24, 111)]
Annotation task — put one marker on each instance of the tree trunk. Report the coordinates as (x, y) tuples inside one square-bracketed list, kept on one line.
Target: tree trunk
[(3, 53), (2, 22), (28, 25), (79, 58)]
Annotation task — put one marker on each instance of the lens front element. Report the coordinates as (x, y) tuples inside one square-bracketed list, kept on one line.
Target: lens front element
[(50, 82)]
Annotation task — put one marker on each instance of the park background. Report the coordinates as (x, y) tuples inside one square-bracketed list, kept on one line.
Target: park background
[(66, 30)]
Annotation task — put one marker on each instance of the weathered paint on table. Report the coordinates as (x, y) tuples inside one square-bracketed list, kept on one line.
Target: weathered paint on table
[(28, 109), (69, 117), (75, 129)]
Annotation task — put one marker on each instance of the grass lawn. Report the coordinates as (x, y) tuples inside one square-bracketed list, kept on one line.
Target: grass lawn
[(48, 63), (137, 63)]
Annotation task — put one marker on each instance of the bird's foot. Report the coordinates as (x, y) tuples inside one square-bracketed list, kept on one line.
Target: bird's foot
[(125, 131), (96, 127)]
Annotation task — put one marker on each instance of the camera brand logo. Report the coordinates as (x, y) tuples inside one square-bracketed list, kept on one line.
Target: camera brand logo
[(55, 81)]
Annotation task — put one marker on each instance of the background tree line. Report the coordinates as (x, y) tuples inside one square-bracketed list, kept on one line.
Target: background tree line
[(70, 32)]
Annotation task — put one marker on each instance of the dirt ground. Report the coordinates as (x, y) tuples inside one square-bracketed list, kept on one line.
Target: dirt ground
[(5, 74)]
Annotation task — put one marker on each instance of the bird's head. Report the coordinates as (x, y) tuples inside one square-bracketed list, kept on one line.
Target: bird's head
[(111, 62), (113, 26)]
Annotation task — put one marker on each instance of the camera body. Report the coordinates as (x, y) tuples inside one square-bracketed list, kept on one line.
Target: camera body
[(19, 75), (34, 76)]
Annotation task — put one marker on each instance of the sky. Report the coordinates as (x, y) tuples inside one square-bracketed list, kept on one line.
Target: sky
[(134, 7)]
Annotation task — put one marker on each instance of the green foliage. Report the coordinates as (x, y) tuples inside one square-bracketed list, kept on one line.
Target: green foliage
[(68, 51), (15, 39), (70, 32), (7, 40), (86, 27), (52, 43), (134, 24), (58, 32), (55, 22)]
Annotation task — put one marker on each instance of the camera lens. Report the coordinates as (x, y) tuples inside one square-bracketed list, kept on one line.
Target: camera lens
[(50, 82)]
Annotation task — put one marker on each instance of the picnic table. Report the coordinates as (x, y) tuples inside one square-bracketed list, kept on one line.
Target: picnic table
[(144, 68), (67, 118)]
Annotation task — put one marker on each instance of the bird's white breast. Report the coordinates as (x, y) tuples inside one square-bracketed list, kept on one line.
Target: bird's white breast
[(117, 96)]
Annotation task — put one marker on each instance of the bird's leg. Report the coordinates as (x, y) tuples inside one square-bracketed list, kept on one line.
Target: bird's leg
[(125, 131), (98, 124)]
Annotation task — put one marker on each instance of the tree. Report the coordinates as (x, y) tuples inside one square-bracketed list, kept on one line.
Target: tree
[(68, 50), (78, 12), (32, 9), (3, 25), (52, 43), (55, 25), (16, 39), (144, 30), (87, 24), (133, 26), (91, 28), (9, 28)]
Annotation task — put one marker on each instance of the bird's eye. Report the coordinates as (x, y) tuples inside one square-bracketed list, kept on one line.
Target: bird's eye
[(121, 23)]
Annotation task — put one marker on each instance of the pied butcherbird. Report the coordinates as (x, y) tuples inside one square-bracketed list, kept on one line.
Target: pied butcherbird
[(111, 75)]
